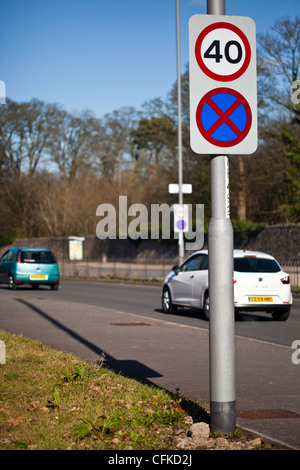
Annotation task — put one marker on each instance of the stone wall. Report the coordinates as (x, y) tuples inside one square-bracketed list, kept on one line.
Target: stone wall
[(281, 241), (93, 248)]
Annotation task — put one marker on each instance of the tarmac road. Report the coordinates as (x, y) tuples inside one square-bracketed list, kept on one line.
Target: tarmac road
[(170, 351)]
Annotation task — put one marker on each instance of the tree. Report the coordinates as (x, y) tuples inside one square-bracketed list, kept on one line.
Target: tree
[(73, 142), (290, 138), (156, 134), (10, 152), (25, 131), (279, 69), (116, 149), (279, 66)]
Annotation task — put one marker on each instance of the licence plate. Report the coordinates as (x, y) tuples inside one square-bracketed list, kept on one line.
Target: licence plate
[(260, 299), (38, 277)]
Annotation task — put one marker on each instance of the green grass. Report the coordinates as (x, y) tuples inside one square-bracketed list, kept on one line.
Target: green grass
[(51, 400)]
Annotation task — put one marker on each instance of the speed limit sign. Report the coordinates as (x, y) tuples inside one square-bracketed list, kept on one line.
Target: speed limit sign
[(223, 103), (222, 51)]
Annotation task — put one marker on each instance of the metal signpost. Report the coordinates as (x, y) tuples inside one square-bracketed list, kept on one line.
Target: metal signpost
[(180, 176), (223, 119)]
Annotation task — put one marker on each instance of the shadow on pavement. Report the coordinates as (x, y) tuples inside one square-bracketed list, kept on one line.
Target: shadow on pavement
[(129, 368)]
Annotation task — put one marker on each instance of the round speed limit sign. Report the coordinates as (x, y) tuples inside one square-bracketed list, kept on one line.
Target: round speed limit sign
[(222, 51)]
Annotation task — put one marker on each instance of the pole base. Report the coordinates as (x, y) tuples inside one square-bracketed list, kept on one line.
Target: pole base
[(223, 417)]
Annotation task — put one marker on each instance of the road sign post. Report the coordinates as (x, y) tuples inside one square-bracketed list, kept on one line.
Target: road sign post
[(180, 174), (223, 120), (181, 218)]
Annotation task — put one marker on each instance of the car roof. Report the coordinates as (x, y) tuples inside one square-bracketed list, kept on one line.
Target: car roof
[(246, 253), (23, 248), (237, 253)]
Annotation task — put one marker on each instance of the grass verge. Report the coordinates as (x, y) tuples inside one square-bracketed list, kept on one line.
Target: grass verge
[(51, 400)]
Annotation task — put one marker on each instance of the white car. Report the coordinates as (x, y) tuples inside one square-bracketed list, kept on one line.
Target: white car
[(259, 284)]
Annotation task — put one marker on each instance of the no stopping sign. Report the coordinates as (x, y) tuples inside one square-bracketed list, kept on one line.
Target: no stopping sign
[(224, 117)]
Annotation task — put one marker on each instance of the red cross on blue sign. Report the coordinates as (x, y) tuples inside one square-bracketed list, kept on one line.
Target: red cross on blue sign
[(181, 225), (223, 117)]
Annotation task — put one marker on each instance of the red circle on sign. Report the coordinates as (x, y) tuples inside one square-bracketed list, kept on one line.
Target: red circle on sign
[(206, 70), (224, 117)]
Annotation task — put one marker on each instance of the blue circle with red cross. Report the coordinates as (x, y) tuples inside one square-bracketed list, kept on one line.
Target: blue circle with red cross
[(181, 224), (223, 117)]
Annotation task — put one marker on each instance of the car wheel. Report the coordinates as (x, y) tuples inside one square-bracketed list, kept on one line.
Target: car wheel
[(11, 282), (167, 304), (206, 306), (54, 286), (281, 315)]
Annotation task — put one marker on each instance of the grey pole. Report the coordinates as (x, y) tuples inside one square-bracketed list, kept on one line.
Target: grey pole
[(180, 239), (221, 321)]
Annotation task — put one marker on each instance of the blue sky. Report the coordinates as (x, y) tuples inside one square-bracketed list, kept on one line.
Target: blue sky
[(103, 55)]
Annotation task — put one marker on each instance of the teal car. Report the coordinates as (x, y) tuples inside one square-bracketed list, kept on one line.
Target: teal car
[(34, 266)]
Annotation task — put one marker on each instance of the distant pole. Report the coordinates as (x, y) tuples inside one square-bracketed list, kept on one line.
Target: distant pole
[(221, 316), (180, 234)]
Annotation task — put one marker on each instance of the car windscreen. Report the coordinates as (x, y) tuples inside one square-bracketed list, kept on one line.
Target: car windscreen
[(256, 265), (41, 257)]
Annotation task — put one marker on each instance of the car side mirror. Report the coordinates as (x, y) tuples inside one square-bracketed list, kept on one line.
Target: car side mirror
[(175, 269)]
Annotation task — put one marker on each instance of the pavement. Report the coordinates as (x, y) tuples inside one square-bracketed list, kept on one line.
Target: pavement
[(172, 356)]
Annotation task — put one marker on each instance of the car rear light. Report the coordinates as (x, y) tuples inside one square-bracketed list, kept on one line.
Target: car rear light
[(19, 256), (53, 257), (285, 280), (234, 281)]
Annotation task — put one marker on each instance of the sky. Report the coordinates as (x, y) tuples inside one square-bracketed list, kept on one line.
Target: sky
[(103, 55)]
